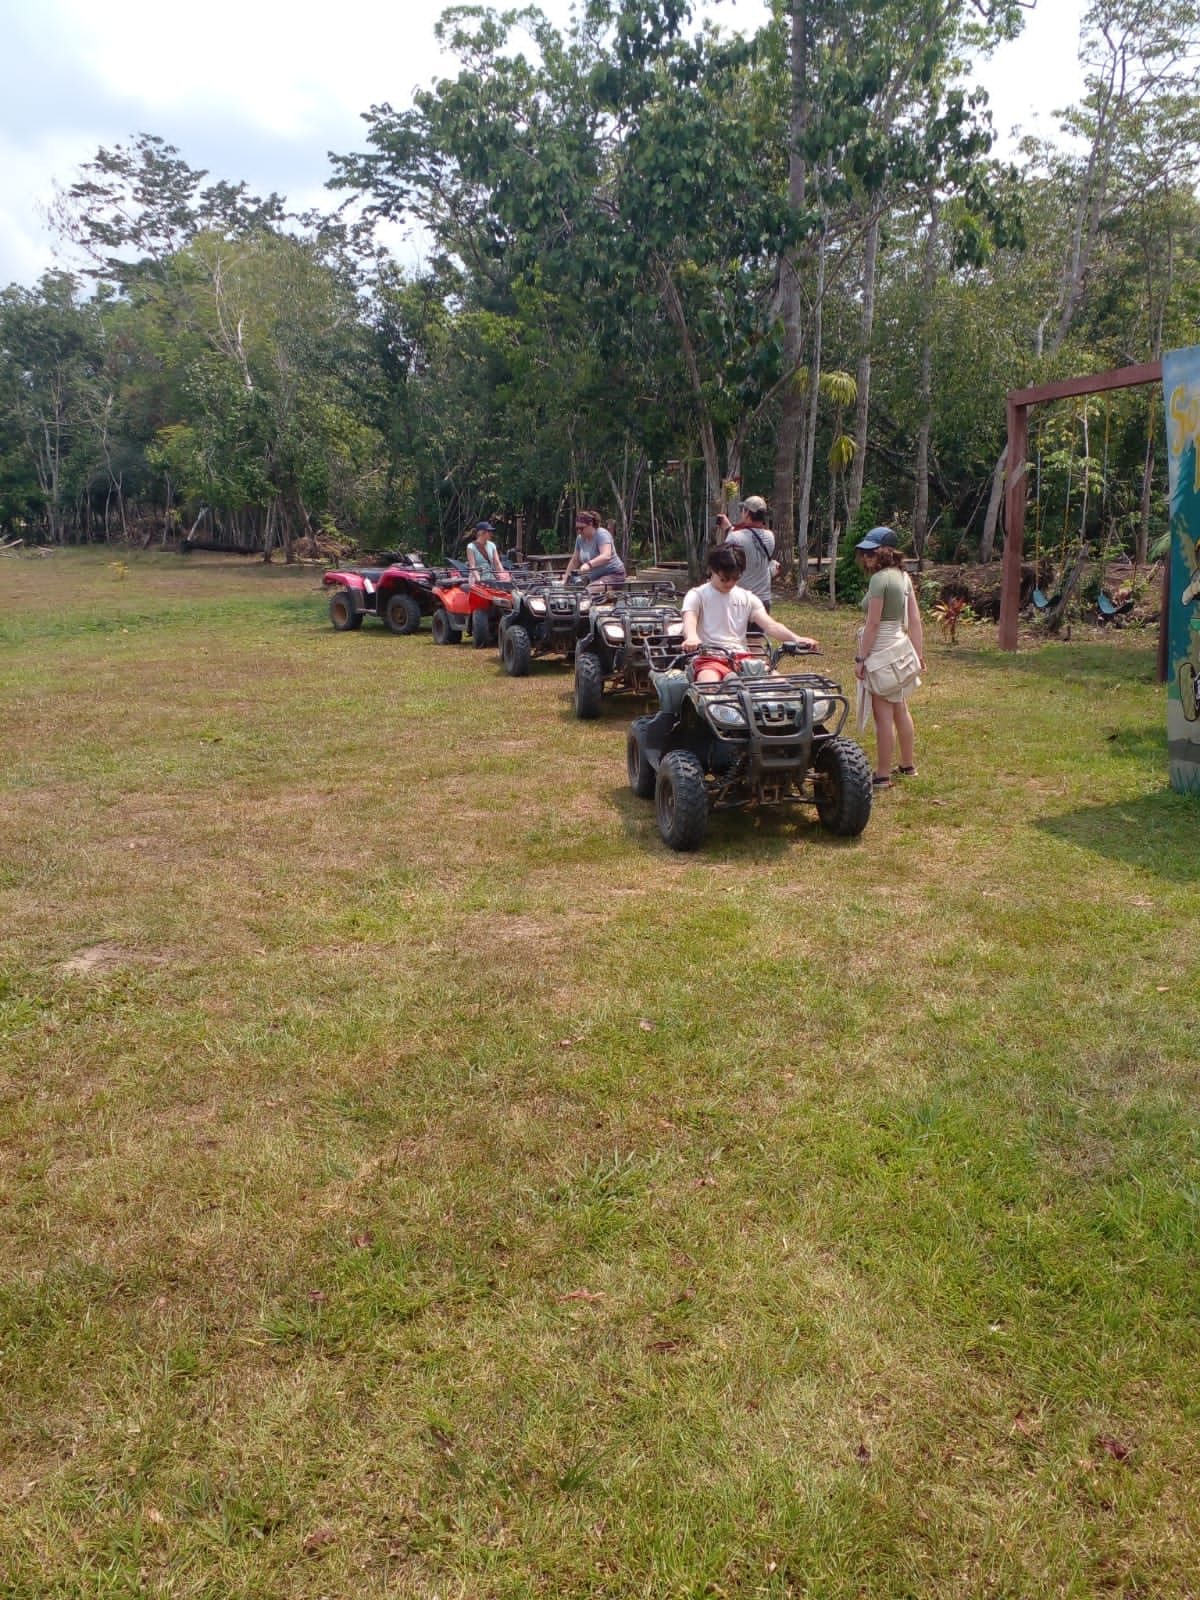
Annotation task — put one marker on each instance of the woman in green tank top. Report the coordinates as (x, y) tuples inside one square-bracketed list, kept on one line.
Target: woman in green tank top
[(892, 613)]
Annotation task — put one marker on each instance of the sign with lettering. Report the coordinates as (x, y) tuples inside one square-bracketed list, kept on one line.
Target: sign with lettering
[(1181, 392)]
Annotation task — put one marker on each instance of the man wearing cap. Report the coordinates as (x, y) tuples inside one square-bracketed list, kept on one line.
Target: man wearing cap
[(757, 541), (483, 558)]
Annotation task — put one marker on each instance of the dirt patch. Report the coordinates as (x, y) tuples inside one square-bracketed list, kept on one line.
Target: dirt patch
[(104, 957)]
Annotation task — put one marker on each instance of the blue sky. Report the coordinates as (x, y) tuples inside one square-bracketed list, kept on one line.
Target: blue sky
[(260, 90)]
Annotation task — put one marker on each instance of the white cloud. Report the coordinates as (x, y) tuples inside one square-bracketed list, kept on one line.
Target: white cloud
[(261, 91)]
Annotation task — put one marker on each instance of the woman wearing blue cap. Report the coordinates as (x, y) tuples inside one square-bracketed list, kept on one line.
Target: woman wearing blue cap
[(483, 558), (891, 654)]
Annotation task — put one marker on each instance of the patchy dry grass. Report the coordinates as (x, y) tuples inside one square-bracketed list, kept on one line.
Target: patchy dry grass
[(416, 1181)]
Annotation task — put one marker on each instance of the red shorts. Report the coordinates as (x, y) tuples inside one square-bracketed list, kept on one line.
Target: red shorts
[(719, 664)]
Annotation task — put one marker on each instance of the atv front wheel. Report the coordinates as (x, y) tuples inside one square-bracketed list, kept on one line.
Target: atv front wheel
[(443, 629), (680, 801), (401, 613), (481, 630), (515, 650), (637, 764), (589, 685), (343, 612), (843, 787)]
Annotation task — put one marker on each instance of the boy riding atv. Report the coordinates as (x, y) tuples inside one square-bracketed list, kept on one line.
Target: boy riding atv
[(738, 734), (719, 614)]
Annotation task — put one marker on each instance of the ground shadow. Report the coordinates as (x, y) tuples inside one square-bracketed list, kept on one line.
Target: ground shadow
[(1159, 833), (741, 837)]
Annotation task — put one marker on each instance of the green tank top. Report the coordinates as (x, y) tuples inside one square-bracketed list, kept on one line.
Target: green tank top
[(890, 585)]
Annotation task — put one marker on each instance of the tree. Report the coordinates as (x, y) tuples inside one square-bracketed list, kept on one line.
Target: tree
[(49, 353)]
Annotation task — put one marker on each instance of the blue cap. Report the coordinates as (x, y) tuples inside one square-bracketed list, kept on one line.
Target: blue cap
[(483, 527), (879, 539)]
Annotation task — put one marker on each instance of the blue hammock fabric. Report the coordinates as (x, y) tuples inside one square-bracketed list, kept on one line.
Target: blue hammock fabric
[(1109, 609)]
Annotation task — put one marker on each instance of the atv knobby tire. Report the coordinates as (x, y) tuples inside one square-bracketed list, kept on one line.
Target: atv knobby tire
[(481, 630), (343, 612), (641, 773), (589, 685), (680, 801), (442, 628), (401, 613), (515, 650), (843, 787)]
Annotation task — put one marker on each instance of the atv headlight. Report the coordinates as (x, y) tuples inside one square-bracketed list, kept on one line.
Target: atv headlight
[(675, 630), (726, 715), (585, 605), (822, 710), (538, 607), (613, 632)]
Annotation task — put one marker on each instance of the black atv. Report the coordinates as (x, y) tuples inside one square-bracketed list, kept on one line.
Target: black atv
[(547, 618), (626, 639), (758, 737)]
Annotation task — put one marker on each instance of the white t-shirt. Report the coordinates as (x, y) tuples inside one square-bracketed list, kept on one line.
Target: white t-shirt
[(722, 619)]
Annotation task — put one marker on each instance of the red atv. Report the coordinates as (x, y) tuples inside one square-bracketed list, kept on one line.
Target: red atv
[(399, 594), (471, 608)]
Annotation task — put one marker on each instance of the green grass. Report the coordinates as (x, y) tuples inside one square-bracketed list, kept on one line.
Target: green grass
[(417, 1181)]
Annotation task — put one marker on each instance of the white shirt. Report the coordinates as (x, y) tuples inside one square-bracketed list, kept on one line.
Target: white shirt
[(722, 619)]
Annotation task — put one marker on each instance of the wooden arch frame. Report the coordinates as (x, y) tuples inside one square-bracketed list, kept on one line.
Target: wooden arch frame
[(1016, 490)]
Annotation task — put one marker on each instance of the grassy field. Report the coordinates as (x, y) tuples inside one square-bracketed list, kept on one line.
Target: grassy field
[(416, 1181)]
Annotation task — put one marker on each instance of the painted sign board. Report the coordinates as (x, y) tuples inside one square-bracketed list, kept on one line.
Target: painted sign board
[(1181, 392)]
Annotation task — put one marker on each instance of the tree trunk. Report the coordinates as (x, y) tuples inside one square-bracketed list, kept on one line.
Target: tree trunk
[(1054, 616), (810, 428), (789, 430), (925, 387), (866, 336), (987, 542)]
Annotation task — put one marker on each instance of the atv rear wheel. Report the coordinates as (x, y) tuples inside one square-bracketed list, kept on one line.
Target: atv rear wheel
[(589, 685), (401, 613), (515, 650), (637, 763), (843, 787), (680, 801), (343, 612), (442, 628)]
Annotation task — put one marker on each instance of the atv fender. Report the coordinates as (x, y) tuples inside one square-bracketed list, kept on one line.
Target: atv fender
[(346, 579), (657, 731), (671, 687)]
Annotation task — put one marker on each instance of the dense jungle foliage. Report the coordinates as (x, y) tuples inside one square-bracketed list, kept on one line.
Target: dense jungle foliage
[(658, 262)]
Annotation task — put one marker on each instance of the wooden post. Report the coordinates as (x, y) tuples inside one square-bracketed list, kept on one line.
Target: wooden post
[(1015, 492)]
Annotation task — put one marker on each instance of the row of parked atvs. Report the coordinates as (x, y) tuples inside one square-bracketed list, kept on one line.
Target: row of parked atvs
[(759, 737)]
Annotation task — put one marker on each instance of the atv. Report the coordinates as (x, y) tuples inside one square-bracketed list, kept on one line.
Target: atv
[(626, 639), (758, 737), (546, 618), (399, 594), (473, 609)]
